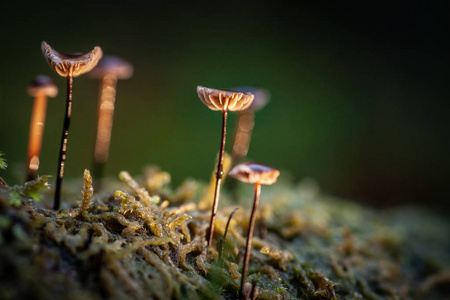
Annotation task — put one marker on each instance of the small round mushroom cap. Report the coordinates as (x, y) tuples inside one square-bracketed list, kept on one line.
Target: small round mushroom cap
[(64, 63), (261, 96), (112, 65), (255, 173), (42, 85), (224, 100)]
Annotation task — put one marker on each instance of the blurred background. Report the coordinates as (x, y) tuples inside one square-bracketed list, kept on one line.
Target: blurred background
[(359, 97)]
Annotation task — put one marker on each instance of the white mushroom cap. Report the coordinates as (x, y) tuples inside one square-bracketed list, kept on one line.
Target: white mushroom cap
[(261, 96), (224, 100), (42, 85), (63, 63), (112, 65), (255, 173)]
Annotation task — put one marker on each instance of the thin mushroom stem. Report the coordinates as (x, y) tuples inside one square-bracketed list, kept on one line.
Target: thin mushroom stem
[(63, 148), (248, 246), (104, 125), (219, 176), (243, 135), (222, 240), (36, 133)]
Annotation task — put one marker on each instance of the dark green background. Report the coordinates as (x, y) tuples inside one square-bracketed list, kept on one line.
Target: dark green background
[(359, 93)]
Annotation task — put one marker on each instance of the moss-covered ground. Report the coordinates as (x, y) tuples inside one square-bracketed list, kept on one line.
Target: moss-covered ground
[(140, 239)]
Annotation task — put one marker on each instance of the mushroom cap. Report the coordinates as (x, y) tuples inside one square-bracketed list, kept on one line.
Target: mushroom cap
[(42, 85), (255, 173), (64, 63), (262, 96), (224, 100), (112, 65)]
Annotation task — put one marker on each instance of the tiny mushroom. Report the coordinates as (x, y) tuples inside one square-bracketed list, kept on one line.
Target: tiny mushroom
[(40, 88), (257, 174), (108, 71), (224, 101), (68, 66)]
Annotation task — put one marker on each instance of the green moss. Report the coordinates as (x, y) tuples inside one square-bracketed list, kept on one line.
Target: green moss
[(3, 163), (129, 242)]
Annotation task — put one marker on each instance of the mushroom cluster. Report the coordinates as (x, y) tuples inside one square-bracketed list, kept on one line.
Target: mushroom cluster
[(108, 70)]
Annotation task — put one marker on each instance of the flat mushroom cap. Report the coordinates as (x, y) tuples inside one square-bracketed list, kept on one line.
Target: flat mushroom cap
[(42, 85), (112, 65), (224, 100), (261, 96), (255, 173), (64, 63)]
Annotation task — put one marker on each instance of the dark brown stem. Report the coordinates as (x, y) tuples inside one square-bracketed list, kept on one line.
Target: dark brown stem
[(219, 175), (63, 148), (248, 247), (222, 240)]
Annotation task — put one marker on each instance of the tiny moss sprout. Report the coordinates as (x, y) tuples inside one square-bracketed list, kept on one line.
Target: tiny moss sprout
[(3, 164), (257, 174), (40, 88), (68, 66), (224, 101)]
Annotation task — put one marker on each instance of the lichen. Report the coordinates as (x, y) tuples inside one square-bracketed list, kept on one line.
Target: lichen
[(149, 242)]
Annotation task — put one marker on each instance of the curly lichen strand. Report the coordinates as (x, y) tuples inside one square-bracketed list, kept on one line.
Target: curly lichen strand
[(153, 259), (184, 250), (279, 256), (130, 226), (125, 278), (143, 195)]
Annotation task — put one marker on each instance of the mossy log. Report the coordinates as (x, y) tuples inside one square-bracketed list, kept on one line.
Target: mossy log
[(149, 242)]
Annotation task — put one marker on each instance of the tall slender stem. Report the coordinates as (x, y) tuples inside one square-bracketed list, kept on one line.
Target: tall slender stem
[(36, 132), (63, 148), (241, 143), (219, 175), (248, 246), (104, 125)]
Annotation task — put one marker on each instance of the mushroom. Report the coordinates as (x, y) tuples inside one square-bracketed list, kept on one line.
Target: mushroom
[(224, 101), (246, 121), (40, 88), (108, 70), (68, 66), (257, 174)]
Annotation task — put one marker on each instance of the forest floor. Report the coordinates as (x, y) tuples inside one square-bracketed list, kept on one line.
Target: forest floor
[(141, 239)]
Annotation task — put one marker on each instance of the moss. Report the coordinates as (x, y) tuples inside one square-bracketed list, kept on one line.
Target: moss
[(3, 163), (130, 242)]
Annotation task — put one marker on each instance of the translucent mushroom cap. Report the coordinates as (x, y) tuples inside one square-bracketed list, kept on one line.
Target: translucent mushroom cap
[(261, 96), (224, 100), (255, 173), (64, 63), (112, 65), (42, 85)]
